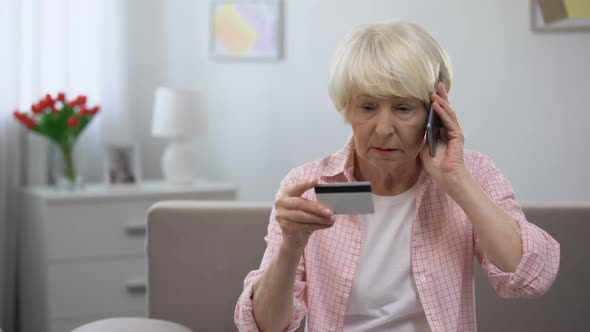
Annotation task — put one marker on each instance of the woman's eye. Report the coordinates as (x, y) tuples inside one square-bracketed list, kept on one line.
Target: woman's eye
[(367, 108), (404, 109)]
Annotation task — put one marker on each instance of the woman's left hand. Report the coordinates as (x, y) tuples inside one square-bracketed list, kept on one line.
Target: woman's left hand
[(448, 163)]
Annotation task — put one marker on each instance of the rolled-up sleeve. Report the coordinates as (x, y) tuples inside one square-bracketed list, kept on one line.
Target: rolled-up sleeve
[(540, 252), (244, 313)]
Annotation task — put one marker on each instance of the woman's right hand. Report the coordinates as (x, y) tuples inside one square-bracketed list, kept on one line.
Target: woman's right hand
[(300, 217)]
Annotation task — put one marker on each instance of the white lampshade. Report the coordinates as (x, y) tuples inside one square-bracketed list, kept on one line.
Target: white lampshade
[(178, 113), (178, 116)]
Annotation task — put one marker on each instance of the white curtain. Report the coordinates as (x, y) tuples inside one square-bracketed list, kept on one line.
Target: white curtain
[(50, 46)]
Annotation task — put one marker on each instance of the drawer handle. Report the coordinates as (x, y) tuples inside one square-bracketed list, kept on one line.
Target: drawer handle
[(135, 229), (136, 287)]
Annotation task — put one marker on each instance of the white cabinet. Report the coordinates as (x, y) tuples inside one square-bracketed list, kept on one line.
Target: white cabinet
[(82, 253)]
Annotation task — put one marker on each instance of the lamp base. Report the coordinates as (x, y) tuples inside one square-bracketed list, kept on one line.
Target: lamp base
[(178, 166)]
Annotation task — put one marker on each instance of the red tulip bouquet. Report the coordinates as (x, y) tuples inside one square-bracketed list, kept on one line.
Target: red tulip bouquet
[(62, 122)]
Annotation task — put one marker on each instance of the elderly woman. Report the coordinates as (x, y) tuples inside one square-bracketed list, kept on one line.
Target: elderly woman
[(408, 266)]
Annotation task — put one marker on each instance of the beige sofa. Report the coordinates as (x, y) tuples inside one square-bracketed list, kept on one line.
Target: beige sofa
[(200, 252)]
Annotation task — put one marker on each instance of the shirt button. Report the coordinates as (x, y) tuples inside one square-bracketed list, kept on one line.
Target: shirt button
[(422, 278)]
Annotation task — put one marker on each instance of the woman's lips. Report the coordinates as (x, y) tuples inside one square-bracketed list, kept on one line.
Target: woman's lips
[(387, 152)]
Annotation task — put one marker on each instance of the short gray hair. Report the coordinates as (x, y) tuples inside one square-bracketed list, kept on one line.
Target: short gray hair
[(388, 59)]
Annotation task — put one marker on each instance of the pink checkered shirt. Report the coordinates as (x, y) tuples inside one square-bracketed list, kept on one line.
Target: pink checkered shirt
[(442, 249)]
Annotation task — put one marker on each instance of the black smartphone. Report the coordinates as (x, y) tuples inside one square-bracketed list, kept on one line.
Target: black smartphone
[(433, 124)]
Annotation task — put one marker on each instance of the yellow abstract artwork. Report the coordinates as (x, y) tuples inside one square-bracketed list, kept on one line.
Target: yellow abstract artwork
[(560, 15), (577, 8), (246, 29)]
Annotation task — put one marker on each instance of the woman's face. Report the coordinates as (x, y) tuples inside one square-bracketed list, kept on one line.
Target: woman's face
[(387, 132)]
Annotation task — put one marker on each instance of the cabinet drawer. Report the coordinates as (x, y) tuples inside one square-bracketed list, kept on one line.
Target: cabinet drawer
[(98, 287), (103, 228), (96, 230)]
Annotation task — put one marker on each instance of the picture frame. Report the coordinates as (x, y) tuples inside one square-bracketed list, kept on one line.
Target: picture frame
[(246, 30), (121, 164), (552, 16)]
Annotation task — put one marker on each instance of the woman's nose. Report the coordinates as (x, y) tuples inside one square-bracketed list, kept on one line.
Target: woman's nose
[(385, 123)]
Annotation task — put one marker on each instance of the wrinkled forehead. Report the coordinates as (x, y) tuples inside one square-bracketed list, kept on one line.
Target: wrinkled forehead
[(363, 97)]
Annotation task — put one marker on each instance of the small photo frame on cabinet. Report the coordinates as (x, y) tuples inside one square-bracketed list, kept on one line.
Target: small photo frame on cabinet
[(560, 15), (121, 164)]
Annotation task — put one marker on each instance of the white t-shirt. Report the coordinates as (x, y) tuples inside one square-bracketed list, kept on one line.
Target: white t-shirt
[(384, 295)]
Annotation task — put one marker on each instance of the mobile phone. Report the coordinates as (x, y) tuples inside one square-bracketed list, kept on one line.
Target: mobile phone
[(346, 197), (433, 124)]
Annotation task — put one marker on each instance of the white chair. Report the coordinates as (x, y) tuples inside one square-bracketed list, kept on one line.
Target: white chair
[(131, 325)]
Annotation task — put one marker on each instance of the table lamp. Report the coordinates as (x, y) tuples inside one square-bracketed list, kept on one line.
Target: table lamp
[(178, 116)]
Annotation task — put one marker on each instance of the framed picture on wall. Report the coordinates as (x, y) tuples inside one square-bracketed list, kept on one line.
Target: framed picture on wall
[(560, 15), (121, 164), (246, 29)]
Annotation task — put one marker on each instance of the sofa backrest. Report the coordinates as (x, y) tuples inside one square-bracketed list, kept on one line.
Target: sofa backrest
[(565, 307), (198, 256), (200, 252)]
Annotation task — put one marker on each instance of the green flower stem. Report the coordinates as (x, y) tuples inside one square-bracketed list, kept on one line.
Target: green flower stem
[(70, 171)]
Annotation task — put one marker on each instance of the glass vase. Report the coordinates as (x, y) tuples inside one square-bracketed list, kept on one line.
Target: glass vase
[(64, 174)]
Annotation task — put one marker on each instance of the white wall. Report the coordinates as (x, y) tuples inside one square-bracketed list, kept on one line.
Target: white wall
[(519, 95)]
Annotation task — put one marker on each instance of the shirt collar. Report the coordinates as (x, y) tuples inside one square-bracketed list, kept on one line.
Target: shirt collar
[(341, 162)]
